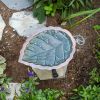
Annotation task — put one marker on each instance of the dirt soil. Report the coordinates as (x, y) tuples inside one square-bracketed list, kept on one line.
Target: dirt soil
[(78, 69)]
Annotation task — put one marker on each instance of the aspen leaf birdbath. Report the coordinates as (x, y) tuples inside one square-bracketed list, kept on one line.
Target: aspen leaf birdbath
[(48, 52)]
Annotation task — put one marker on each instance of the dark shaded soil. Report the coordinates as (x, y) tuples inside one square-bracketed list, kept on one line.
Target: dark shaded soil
[(78, 69)]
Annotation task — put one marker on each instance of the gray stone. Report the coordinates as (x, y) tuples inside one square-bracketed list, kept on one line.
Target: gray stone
[(24, 23), (2, 26), (18, 4), (14, 88)]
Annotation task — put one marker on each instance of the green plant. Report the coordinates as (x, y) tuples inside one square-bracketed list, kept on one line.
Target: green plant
[(30, 92), (96, 27), (2, 95), (87, 93), (89, 14), (97, 50), (52, 94), (97, 46), (49, 10), (41, 8), (94, 76), (4, 87), (4, 80), (91, 91), (2, 65)]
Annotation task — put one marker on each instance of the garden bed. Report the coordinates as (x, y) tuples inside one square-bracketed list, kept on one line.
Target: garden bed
[(78, 69)]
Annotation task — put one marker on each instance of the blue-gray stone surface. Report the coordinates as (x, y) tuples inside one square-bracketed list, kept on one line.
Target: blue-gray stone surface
[(24, 23), (48, 48), (18, 4)]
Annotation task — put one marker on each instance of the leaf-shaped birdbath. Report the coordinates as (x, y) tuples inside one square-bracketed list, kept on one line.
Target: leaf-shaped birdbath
[(50, 48)]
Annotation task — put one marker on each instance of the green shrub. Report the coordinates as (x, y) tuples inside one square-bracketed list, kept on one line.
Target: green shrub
[(64, 7), (97, 50), (91, 91), (4, 80), (94, 76)]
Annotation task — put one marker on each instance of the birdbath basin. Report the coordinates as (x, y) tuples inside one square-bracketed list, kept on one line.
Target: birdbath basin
[(48, 52)]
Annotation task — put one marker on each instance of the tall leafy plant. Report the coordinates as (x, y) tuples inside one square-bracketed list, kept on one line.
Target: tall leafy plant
[(43, 8)]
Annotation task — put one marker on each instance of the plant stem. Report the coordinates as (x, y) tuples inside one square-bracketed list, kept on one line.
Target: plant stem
[(91, 14), (79, 14)]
